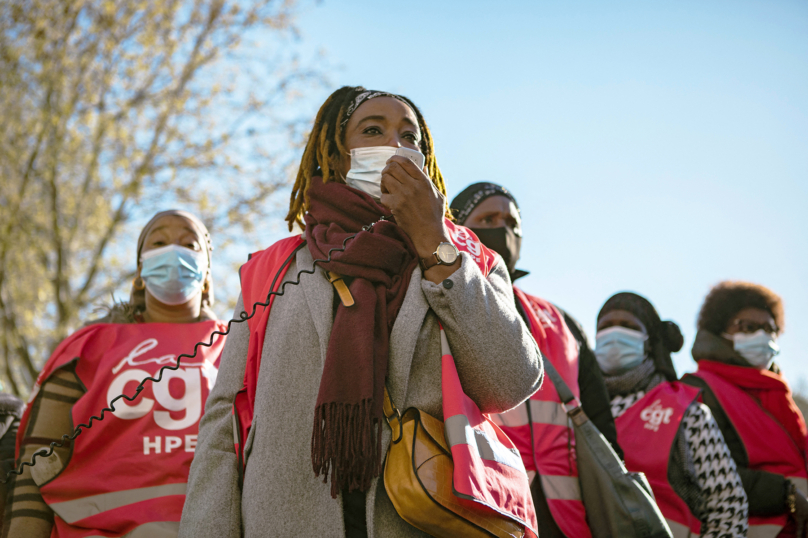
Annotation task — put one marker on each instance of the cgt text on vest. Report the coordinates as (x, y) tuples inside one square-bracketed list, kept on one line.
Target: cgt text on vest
[(655, 415)]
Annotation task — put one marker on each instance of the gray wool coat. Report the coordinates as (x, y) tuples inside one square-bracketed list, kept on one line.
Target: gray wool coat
[(497, 360)]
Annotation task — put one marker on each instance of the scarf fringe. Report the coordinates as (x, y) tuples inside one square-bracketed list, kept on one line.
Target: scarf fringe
[(346, 443)]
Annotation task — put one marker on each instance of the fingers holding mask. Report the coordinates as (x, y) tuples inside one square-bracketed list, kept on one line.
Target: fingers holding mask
[(401, 181), (404, 170), (418, 206)]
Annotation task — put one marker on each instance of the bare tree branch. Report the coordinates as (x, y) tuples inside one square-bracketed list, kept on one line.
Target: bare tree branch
[(112, 109)]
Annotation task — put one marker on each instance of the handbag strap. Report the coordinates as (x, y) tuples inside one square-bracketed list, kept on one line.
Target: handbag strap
[(561, 386), (391, 412), (576, 413)]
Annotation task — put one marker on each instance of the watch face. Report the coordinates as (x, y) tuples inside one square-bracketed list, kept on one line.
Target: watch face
[(447, 253)]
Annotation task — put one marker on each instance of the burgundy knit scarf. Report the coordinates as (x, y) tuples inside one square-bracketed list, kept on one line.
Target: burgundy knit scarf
[(346, 439)]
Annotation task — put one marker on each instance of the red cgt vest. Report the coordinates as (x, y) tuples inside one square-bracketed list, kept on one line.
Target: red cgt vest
[(646, 432), (550, 451), (128, 473), (487, 469), (769, 447)]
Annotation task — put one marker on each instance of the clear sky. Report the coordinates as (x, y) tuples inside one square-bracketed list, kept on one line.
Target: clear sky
[(658, 147)]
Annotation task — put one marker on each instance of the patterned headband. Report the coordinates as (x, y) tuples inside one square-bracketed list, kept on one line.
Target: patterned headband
[(367, 96), (473, 195)]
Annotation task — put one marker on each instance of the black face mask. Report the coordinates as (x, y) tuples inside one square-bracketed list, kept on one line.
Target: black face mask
[(502, 240)]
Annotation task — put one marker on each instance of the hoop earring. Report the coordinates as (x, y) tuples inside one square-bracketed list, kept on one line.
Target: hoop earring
[(136, 286), (206, 286)]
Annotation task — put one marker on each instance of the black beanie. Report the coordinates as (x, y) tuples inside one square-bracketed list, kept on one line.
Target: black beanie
[(664, 337)]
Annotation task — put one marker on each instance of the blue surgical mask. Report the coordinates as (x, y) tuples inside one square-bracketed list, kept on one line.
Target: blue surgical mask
[(758, 348), (618, 349), (173, 274)]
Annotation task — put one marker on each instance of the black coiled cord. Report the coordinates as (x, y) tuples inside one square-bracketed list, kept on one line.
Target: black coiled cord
[(244, 317)]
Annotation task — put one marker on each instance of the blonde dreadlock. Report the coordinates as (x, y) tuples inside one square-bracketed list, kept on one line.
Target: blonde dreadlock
[(326, 145)]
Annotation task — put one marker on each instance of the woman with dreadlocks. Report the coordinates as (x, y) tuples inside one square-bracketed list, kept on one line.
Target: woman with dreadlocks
[(311, 462), (663, 429), (125, 475)]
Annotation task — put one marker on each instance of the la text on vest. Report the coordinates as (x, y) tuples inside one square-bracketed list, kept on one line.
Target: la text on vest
[(130, 470), (548, 448), (646, 432)]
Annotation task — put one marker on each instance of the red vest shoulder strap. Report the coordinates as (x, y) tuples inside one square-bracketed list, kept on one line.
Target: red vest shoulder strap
[(255, 280), (70, 348), (487, 466), (466, 241), (257, 274), (263, 273), (555, 341)]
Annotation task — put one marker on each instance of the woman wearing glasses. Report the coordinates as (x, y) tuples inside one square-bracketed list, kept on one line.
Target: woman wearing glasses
[(751, 401)]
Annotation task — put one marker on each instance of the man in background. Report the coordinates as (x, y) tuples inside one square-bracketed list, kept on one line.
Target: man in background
[(539, 427)]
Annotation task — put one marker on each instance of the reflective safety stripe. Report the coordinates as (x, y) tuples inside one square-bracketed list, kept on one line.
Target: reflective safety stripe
[(800, 483), (155, 529), (543, 412), (763, 531), (680, 531), (561, 488), (78, 509), (513, 418), (459, 432), (548, 413)]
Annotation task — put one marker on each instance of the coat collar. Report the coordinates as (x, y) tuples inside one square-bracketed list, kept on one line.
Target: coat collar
[(708, 346)]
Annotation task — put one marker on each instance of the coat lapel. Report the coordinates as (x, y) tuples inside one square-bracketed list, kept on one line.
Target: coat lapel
[(406, 330), (319, 296), (404, 337)]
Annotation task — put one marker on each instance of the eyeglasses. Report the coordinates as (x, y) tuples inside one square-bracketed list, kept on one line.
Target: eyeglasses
[(749, 327)]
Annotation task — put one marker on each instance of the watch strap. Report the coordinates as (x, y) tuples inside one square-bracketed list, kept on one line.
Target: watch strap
[(429, 261)]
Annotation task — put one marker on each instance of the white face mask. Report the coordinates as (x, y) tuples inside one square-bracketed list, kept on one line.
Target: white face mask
[(367, 165), (618, 349), (758, 348)]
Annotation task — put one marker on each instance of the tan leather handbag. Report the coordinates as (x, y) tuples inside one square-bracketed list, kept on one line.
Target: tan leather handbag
[(418, 479), (418, 472)]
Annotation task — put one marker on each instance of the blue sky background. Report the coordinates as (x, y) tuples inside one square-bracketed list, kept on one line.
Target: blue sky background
[(658, 147)]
